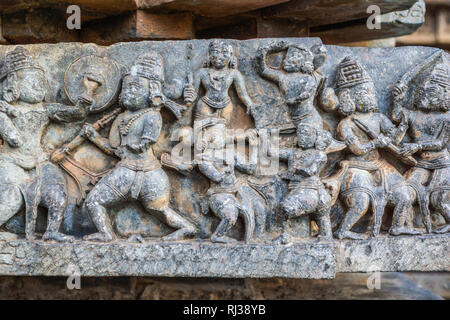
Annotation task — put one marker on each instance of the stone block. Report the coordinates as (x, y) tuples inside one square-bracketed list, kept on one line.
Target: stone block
[(139, 25)]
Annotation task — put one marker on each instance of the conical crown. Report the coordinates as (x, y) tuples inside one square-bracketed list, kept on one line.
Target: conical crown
[(149, 66), (16, 60), (351, 73)]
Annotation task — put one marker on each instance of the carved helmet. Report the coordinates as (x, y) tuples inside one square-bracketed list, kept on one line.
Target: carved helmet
[(351, 73), (149, 66), (17, 59)]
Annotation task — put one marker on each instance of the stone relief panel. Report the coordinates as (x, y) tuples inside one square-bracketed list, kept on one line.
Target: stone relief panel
[(262, 141)]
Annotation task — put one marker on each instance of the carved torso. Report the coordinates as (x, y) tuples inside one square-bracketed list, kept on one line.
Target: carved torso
[(30, 122), (131, 127), (216, 82), (427, 127)]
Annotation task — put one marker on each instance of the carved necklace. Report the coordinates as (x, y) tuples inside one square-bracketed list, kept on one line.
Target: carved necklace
[(125, 126)]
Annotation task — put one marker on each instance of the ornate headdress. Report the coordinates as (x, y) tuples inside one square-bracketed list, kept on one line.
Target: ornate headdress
[(17, 59), (440, 75), (351, 73), (149, 66)]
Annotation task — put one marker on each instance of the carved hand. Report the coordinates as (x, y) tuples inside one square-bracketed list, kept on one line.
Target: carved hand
[(382, 141), (409, 149), (14, 141), (399, 91), (88, 131), (189, 94), (136, 148)]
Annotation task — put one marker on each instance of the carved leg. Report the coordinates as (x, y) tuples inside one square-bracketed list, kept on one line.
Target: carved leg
[(324, 222), (11, 202), (96, 201), (403, 205), (229, 217), (260, 210), (289, 209), (170, 217), (441, 203), (357, 204), (54, 198)]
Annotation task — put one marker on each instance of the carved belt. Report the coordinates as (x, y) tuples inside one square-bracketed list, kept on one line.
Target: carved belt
[(140, 167), (216, 104), (312, 185), (224, 189), (439, 163)]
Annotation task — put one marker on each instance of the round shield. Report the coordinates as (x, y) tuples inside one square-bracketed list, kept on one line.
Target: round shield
[(93, 79)]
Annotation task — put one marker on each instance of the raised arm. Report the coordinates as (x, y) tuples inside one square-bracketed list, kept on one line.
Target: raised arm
[(190, 92), (264, 70)]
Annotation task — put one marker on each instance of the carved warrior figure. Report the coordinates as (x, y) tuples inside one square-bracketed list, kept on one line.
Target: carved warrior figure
[(366, 177), (429, 130), (24, 165), (299, 80), (228, 196), (307, 193), (217, 76), (138, 175)]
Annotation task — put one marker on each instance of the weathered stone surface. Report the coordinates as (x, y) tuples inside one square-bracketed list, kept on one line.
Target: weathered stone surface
[(139, 25), (423, 253), (308, 260), (436, 29), (323, 12), (211, 8), (249, 27), (393, 24), (393, 286), (41, 25), (98, 160), (91, 9)]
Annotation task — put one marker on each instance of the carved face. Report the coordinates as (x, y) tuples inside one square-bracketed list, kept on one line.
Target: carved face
[(306, 136), (298, 60), (431, 97), (220, 55), (365, 99), (135, 92), (31, 85)]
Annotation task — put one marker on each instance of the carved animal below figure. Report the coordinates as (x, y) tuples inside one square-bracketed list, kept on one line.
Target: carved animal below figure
[(366, 177), (307, 193), (228, 196), (429, 130), (138, 175), (27, 178)]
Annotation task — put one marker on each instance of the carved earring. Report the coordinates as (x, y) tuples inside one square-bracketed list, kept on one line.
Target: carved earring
[(347, 106), (11, 91)]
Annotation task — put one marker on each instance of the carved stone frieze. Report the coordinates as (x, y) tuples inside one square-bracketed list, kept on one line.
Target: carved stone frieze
[(258, 158)]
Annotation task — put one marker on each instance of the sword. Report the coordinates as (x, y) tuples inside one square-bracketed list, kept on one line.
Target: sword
[(409, 160)]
